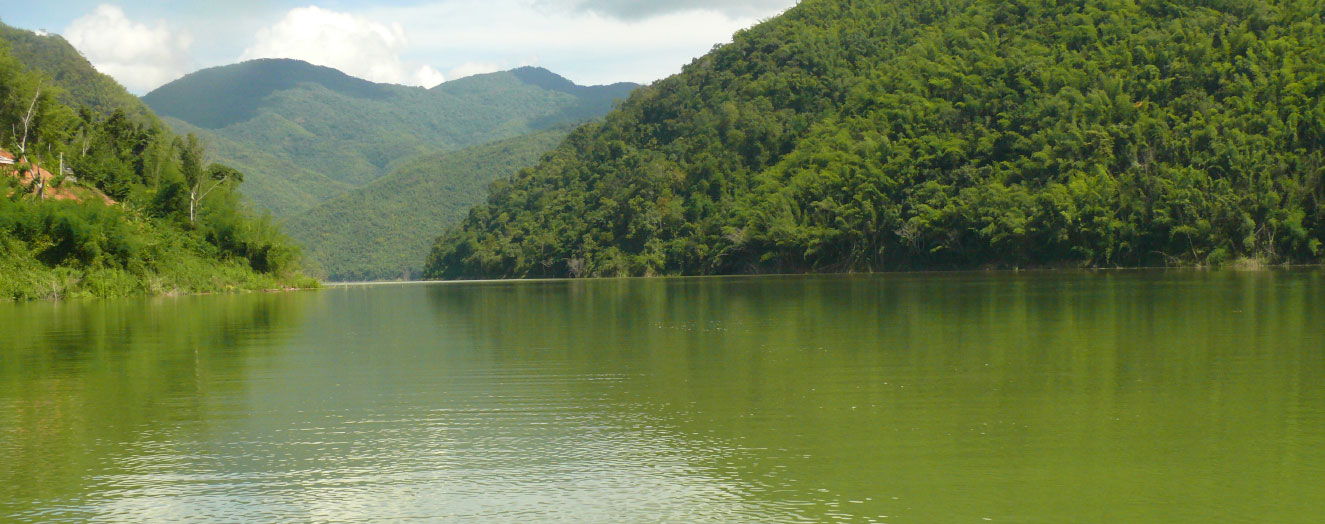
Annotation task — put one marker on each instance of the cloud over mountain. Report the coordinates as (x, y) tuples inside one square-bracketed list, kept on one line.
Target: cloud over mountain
[(354, 44), (139, 55)]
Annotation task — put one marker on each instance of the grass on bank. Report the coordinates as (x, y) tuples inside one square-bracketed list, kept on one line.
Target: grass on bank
[(64, 249)]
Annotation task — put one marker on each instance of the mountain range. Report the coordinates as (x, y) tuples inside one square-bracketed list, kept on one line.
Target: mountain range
[(304, 133), (362, 173)]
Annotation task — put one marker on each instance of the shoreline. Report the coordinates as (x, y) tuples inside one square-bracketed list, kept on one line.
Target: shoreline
[(174, 293), (1230, 268)]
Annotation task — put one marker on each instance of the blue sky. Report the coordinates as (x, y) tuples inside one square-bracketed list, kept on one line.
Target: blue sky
[(144, 44)]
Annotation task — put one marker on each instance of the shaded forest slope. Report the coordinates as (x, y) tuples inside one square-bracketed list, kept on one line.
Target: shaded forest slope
[(372, 233)]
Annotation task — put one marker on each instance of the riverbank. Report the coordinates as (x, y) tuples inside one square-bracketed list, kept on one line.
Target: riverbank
[(27, 280), (57, 249), (1241, 265)]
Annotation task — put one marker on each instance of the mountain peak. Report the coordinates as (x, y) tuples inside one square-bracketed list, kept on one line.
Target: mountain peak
[(235, 90), (545, 79)]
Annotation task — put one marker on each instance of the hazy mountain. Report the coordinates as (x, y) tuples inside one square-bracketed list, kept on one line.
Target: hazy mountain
[(302, 132)]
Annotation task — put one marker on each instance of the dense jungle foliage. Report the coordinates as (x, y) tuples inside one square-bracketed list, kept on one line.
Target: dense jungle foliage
[(372, 233), (175, 224), (878, 135), (305, 133)]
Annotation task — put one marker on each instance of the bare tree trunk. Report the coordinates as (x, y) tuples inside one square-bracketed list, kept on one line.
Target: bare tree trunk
[(27, 122), (41, 182), (23, 145), (197, 193)]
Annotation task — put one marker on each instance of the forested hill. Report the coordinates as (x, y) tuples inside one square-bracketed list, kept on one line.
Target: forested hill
[(221, 96), (306, 133), (96, 200), (878, 135), (372, 233), (82, 85)]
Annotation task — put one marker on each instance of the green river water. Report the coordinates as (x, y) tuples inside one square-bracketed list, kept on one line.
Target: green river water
[(1057, 397)]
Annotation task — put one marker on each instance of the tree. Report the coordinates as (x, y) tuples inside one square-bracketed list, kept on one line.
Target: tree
[(201, 182), (27, 119), (25, 163)]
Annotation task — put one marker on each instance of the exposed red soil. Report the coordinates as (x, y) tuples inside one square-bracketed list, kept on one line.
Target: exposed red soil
[(67, 191)]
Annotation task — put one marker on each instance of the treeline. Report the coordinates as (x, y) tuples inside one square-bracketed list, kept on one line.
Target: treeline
[(879, 135), (107, 204)]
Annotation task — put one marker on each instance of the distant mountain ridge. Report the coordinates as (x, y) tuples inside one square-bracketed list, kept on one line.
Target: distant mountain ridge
[(279, 120), (548, 80), (235, 92)]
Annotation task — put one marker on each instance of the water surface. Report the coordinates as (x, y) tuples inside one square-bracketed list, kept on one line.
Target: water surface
[(988, 397)]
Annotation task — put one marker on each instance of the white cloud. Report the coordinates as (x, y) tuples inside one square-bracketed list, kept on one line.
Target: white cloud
[(140, 56), (353, 44), (426, 76), (574, 38), (641, 9), (589, 41)]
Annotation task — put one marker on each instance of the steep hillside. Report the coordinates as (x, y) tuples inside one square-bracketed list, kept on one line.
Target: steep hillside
[(96, 203), (82, 85), (372, 233), (351, 130), (874, 135)]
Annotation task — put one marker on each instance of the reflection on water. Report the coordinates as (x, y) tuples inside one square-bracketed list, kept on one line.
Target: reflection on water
[(87, 387), (1111, 397)]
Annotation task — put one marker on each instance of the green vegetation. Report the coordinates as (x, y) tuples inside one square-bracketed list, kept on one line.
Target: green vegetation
[(176, 224), (305, 133), (296, 187), (373, 233), (83, 85), (850, 135)]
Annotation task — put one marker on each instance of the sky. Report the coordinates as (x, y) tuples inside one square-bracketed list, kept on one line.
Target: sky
[(147, 43)]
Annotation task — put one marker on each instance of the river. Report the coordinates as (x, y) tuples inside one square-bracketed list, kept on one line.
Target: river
[(1041, 397)]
